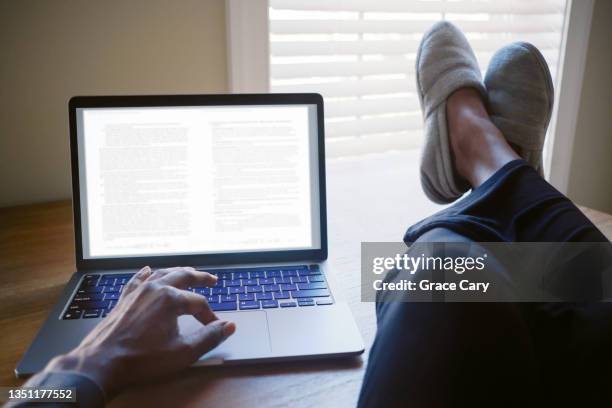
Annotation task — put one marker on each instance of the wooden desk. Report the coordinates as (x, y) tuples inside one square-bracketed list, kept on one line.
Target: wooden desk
[(37, 258)]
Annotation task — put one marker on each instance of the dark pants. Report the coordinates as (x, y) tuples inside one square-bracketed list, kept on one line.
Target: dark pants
[(495, 354)]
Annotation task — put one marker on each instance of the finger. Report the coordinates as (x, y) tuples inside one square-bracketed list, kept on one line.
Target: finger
[(209, 336), (160, 273), (195, 305), (183, 278), (136, 280)]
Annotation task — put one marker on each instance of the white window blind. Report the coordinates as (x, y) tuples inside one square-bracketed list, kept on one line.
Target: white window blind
[(360, 55)]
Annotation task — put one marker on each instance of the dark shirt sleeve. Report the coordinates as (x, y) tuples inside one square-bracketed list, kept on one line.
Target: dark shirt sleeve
[(88, 393)]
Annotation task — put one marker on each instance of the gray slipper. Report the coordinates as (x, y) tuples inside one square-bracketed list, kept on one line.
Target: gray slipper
[(445, 62), (521, 97)]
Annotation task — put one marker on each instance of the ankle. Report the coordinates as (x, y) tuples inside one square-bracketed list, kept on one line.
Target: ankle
[(479, 149), (467, 128)]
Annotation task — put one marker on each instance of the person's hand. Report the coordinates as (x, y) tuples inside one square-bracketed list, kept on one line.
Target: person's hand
[(139, 340)]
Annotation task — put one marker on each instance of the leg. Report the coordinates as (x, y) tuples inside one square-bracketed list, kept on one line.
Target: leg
[(510, 201), (437, 354)]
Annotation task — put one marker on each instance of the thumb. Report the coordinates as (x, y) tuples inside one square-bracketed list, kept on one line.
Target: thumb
[(210, 336)]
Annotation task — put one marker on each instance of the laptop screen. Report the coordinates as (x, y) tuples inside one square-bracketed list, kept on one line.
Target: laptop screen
[(181, 180)]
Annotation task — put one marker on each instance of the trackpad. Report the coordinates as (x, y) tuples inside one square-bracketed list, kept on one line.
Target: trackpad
[(251, 339)]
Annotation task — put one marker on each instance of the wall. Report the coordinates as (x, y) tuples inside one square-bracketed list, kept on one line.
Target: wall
[(590, 181), (52, 50)]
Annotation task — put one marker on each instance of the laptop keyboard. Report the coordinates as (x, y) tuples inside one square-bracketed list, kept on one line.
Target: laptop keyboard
[(236, 289)]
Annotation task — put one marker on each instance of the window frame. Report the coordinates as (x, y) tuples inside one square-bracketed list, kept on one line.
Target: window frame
[(574, 46), (247, 33)]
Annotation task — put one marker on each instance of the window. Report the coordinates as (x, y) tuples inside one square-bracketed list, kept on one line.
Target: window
[(360, 55)]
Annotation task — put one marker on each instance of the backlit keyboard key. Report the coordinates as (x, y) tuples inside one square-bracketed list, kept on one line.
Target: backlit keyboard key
[(314, 285), (281, 295), (202, 291), (289, 273), (73, 314), (90, 314), (223, 306), (241, 275), (89, 297), (266, 281), (212, 298), (229, 298), (271, 288), (218, 291), (310, 293), (282, 280), (237, 290), (249, 282), (263, 296), (288, 304), (316, 278), (246, 296), (99, 304), (254, 289), (326, 301), (273, 274), (257, 274), (223, 275), (306, 302), (299, 279), (288, 287), (269, 304), (232, 283), (111, 289), (248, 305)]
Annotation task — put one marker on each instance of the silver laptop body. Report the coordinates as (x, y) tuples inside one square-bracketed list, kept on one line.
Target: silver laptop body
[(233, 184)]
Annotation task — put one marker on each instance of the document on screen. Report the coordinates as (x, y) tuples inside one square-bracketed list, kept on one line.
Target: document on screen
[(191, 180)]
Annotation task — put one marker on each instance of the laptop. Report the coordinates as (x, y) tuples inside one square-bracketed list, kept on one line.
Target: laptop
[(229, 184)]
